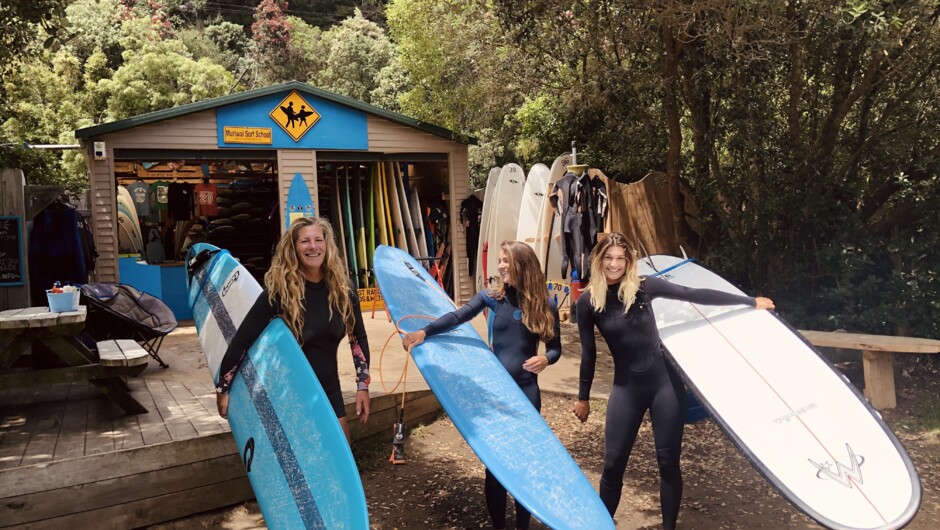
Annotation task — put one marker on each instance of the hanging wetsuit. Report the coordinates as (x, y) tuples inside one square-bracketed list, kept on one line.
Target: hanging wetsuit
[(643, 380), (56, 250), (471, 209), (321, 337), (513, 344), (583, 209)]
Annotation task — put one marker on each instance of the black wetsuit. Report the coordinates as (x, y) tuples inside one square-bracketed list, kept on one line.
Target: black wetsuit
[(321, 337), (643, 379), (513, 344)]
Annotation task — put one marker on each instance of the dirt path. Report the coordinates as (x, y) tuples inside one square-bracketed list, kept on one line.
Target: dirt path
[(441, 487)]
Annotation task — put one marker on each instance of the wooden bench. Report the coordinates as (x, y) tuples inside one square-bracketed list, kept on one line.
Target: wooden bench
[(877, 358), (121, 358)]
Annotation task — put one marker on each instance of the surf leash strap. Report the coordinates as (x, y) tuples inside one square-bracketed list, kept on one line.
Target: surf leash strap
[(196, 261), (674, 267)]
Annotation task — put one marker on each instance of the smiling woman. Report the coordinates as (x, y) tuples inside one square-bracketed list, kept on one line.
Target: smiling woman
[(307, 285)]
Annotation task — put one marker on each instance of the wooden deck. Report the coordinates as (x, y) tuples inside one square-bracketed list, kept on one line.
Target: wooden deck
[(69, 457)]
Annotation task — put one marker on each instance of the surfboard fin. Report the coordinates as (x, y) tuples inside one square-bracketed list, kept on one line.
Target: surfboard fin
[(398, 441)]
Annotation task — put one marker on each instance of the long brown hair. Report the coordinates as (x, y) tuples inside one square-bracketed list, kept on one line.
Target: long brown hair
[(285, 282), (629, 284), (527, 276)]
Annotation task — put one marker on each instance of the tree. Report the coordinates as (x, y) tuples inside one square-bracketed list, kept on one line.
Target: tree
[(465, 75), (271, 44), (358, 50)]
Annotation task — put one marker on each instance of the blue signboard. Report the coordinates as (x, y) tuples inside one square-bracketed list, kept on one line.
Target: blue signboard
[(291, 120)]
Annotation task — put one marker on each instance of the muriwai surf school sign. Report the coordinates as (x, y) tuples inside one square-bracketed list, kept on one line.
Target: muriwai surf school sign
[(292, 120)]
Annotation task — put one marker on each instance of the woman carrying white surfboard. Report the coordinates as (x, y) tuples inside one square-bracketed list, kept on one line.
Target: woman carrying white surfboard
[(522, 315), (617, 301), (307, 285)]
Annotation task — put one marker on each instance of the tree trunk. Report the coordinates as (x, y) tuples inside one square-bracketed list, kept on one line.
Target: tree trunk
[(670, 79)]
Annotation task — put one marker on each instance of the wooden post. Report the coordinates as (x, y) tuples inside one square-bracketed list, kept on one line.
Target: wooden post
[(13, 203), (879, 379)]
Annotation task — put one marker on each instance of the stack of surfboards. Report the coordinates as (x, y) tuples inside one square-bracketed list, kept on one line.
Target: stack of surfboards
[(520, 209), (130, 235), (502, 218), (375, 205)]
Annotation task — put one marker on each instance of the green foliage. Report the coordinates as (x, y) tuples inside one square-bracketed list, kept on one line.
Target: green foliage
[(464, 75), (39, 167), (358, 50), (489, 152), (159, 76), (807, 131)]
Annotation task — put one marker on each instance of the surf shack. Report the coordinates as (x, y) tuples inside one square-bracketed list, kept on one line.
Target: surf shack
[(220, 171)]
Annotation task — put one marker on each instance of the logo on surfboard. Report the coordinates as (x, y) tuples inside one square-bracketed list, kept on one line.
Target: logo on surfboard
[(843, 474), (228, 284)]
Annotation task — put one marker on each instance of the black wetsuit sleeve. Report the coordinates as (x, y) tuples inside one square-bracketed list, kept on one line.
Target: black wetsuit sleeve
[(359, 344), (660, 288), (553, 347), (248, 332), (455, 318), (588, 346)]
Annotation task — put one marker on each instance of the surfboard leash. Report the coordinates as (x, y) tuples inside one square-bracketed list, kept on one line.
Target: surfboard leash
[(674, 267)]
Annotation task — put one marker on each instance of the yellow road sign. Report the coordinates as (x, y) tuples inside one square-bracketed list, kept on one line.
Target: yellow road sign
[(295, 115)]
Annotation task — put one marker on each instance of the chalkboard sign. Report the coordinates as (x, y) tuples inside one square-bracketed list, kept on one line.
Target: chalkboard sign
[(11, 251)]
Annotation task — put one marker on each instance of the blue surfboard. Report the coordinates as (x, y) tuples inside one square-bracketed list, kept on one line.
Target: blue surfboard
[(299, 202), (294, 450), (486, 405)]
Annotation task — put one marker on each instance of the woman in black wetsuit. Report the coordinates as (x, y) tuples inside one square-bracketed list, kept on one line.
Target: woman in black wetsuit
[(617, 302), (307, 285), (522, 315)]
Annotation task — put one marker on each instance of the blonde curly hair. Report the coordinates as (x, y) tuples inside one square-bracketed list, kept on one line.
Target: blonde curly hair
[(529, 280), (285, 281)]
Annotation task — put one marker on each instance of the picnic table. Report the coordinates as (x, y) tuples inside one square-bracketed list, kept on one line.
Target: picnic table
[(21, 329)]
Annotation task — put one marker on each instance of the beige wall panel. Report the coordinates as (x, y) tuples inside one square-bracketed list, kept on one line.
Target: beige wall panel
[(104, 206), (289, 162), (389, 137), (194, 131), (458, 177)]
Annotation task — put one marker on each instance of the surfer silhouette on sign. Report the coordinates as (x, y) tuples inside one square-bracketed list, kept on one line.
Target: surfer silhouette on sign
[(302, 115), (291, 115)]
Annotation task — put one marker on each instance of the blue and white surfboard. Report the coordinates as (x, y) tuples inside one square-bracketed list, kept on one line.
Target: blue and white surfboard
[(293, 448), (299, 202), (487, 406)]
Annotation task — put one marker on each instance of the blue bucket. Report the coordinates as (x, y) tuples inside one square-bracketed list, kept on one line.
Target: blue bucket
[(63, 302)]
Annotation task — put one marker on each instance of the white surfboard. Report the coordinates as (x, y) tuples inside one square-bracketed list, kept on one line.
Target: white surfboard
[(798, 421), (504, 216), (398, 224), (549, 226), (534, 195), (407, 219), (488, 200)]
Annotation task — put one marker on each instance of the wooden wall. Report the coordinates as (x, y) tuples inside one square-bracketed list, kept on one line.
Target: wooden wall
[(289, 162)]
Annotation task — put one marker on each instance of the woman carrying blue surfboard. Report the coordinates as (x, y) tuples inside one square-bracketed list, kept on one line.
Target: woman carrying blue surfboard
[(307, 285), (521, 316), (617, 301)]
